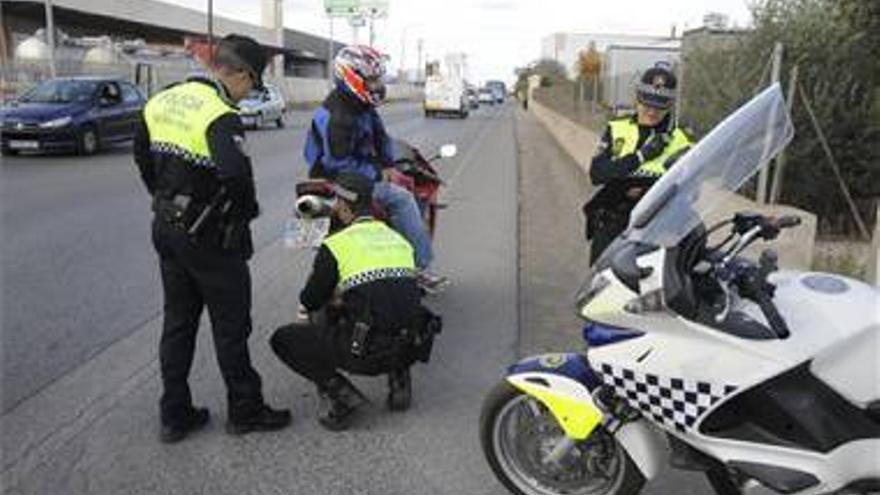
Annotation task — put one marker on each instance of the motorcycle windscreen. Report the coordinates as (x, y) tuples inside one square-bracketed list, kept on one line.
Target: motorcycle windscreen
[(708, 176)]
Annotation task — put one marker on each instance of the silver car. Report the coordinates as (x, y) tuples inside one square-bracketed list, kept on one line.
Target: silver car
[(261, 107)]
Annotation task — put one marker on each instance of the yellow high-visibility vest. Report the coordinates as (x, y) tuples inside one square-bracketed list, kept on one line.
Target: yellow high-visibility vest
[(178, 119), (368, 250), (625, 136)]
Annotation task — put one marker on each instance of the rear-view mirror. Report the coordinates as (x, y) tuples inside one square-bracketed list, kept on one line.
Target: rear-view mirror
[(625, 268)]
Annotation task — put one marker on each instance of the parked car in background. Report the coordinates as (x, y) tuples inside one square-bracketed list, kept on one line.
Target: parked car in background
[(487, 96), (76, 114), (261, 107), (473, 98)]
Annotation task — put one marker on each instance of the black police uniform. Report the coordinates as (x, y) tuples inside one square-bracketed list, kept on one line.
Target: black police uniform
[(200, 230), (317, 350)]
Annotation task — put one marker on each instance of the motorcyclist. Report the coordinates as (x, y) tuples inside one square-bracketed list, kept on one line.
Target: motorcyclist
[(347, 135), (360, 310), (633, 153)]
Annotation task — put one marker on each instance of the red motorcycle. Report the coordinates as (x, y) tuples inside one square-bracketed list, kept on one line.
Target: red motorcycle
[(412, 171)]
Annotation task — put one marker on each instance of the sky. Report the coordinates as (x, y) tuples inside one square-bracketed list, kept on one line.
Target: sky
[(497, 35)]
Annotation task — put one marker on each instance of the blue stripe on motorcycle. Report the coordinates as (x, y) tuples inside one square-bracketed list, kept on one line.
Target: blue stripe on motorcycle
[(571, 365), (598, 334)]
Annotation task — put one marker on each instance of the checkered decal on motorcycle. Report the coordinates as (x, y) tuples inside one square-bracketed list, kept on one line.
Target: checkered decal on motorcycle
[(674, 402)]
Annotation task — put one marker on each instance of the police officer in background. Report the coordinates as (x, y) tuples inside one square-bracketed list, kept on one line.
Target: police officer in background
[(190, 151), (360, 310), (634, 152)]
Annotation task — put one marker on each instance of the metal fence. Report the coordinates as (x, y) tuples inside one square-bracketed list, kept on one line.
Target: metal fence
[(18, 76)]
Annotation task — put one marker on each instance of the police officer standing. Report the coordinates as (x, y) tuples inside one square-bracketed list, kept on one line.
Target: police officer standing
[(634, 153), (190, 151), (360, 310)]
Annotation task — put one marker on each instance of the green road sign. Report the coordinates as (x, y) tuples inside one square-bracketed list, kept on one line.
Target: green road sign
[(356, 8)]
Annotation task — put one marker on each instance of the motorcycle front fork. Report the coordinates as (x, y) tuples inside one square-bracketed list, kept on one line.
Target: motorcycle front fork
[(723, 483)]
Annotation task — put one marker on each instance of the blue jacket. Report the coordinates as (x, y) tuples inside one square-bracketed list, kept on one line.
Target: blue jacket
[(347, 136)]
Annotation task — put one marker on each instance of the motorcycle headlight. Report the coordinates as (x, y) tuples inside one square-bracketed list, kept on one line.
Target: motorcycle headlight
[(595, 285), (59, 122)]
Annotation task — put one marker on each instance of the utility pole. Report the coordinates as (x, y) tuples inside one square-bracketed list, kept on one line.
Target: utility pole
[(50, 37), (402, 64), (210, 32), (279, 35), (421, 46), (774, 78), (330, 55)]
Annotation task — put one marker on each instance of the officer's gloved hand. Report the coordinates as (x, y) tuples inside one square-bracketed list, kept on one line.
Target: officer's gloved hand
[(653, 147)]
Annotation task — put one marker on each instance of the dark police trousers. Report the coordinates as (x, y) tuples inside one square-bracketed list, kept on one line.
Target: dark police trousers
[(317, 351), (195, 276)]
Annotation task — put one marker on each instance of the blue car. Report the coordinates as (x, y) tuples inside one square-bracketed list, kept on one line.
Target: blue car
[(78, 114)]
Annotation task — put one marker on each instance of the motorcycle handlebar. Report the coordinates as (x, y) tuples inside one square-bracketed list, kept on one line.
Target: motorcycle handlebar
[(776, 321), (788, 221)]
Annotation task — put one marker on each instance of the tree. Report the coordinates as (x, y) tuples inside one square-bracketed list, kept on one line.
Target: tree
[(835, 46)]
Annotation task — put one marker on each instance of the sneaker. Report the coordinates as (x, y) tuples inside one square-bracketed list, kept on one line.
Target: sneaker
[(266, 419), (339, 401), (399, 390), (195, 421), (431, 282)]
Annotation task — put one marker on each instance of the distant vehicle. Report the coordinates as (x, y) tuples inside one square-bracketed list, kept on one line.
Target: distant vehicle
[(445, 95), (78, 114), (487, 96), (499, 89), (261, 107), (473, 98)]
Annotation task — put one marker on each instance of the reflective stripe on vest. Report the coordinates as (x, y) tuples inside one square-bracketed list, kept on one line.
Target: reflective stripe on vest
[(625, 136), (178, 120), (369, 250)]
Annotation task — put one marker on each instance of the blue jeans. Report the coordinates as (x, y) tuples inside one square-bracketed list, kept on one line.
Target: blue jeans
[(406, 219)]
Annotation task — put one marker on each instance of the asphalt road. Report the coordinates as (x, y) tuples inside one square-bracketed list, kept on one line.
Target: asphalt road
[(82, 316), (81, 295), (79, 272)]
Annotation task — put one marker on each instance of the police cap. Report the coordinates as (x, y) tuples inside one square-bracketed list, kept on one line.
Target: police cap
[(657, 87), (245, 52), (355, 189)]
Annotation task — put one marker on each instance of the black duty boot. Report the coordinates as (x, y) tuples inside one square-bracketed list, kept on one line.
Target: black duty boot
[(265, 419), (177, 431), (399, 390), (339, 401)]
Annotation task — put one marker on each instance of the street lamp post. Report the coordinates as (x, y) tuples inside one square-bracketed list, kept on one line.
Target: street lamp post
[(50, 37), (210, 31)]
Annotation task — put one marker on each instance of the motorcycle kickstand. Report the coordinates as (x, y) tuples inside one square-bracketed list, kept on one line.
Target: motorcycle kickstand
[(721, 481)]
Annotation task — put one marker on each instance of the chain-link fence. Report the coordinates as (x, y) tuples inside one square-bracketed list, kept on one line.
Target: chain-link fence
[(17, 76), (575, 100)]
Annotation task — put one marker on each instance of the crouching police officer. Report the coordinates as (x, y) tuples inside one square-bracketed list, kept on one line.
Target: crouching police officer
[(633, 154), (190, 152), (371, 320)]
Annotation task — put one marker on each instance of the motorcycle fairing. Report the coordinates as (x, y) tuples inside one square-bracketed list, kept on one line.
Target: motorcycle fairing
[(563, 383), (677, 403)]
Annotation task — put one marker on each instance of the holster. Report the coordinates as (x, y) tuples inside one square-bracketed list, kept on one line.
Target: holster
[(178, 210)]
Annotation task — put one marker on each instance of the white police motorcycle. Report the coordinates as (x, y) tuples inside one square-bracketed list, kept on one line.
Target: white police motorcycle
[(699, 358)]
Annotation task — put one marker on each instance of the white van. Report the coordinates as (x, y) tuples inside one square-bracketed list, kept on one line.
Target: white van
[(445, 95)]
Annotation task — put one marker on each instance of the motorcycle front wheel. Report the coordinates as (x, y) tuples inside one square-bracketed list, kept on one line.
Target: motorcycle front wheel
[(531, 455)]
